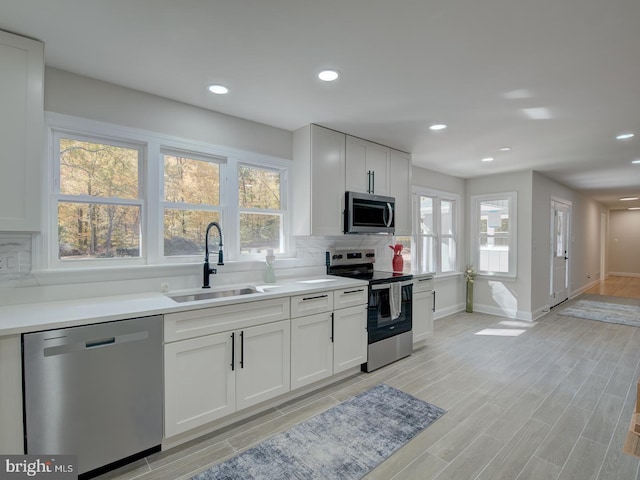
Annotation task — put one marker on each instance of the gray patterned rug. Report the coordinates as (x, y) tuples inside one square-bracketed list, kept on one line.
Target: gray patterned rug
[(604, 312), (345, 442)]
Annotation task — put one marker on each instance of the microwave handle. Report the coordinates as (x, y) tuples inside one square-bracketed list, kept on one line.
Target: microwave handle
[(390, 221)]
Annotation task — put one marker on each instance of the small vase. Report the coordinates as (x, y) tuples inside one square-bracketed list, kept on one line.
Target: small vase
[(469, 308), (398, 263)]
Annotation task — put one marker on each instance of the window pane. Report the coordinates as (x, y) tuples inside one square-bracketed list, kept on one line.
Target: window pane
[(426, 215), (448, 261), (184, 231), (191, 181), (87, 230), (258, 188), (259, 232), (98, 170), (494, 257), (494, 216), (427, 263), (446, 217)]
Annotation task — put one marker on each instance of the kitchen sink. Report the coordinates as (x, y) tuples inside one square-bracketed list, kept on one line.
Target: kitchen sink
[(194, 297)]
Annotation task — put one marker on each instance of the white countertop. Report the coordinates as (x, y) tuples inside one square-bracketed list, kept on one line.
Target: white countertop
[(16, 319)]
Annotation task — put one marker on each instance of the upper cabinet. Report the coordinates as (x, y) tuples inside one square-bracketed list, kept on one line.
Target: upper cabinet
[(21, 132), (318, 181), (367, 166), (400, 189)]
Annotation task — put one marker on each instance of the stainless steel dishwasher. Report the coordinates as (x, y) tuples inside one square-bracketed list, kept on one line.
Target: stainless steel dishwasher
[(94, 391)]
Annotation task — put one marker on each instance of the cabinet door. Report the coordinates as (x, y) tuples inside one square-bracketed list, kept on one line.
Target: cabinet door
[(263, 363), (327, 181), (311, 349), (199, 385), (349, 338), (367, 167), (422, 315), (21, 132), (400, 189)]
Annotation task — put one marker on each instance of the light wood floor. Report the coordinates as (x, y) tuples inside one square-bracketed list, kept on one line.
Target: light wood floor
[(617, 287), (552, 403)]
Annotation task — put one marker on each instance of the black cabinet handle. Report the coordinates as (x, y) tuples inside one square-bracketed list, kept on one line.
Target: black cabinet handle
[(433, 305), (354, 291), (233, 351), (314, 298), (373, 181), (332, 318), (242, 349)]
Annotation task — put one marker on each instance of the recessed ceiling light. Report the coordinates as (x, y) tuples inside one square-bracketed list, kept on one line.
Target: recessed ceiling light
[(628, 199), (636, 161), (437, 126), (625, 136), (218, 89), (487, 159), (328, 75), (505, 149)]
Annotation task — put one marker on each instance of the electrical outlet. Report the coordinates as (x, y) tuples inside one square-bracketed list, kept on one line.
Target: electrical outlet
[(164, 287)]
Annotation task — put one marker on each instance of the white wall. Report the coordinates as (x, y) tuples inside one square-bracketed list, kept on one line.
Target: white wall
[(72, 94), (624, 239), (505, 296)]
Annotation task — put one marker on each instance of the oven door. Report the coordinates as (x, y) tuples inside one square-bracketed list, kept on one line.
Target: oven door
[(389, 310)]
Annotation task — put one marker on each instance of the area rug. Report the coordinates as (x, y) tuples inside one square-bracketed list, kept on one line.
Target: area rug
[(604, 312), (345, 442)]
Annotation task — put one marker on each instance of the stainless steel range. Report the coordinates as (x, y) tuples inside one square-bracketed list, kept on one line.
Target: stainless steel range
[(389, 308)]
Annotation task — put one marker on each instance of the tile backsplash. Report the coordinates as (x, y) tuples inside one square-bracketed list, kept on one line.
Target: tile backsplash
[(15, 256)]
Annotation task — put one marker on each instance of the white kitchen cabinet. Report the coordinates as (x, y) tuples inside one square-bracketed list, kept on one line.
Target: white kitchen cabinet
[(223, 359), (311, 349), (422, 307), (21, 132), (264, 363), (367, 166), (199, 384), (350, 337), (331, 340), (318, 185), (400, 189)]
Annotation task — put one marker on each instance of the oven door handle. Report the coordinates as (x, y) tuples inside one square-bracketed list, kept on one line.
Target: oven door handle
[(382, 286)]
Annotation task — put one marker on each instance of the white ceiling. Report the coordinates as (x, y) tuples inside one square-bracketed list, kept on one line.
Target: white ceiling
[(475, 65)]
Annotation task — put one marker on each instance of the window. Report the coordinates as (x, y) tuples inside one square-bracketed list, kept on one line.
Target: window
[(98, 195), (494, 226), (191, 201), (121, 196), (260, 209), (437, 231)]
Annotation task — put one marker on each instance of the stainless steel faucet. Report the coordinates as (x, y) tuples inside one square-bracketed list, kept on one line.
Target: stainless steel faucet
[(206, 270)]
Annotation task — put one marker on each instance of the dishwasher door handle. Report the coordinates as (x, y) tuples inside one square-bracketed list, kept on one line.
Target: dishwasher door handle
[(100, 343)]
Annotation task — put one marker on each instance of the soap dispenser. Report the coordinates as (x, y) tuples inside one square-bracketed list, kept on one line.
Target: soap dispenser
[(270, 276)]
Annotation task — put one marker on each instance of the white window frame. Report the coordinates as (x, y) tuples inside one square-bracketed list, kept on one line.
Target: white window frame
[(284, 226), (151, 177), (476, 200), (438, 196)]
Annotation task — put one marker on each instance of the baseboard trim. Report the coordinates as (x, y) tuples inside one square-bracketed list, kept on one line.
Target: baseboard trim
[(623, 274), (444, 312), (493, 310)]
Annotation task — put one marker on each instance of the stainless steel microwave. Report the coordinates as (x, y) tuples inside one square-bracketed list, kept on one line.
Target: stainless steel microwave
[(366, 213)]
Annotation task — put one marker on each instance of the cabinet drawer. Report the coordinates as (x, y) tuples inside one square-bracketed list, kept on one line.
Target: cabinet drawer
[(350, 297), (422, 284), (195, 323), (320, 302)]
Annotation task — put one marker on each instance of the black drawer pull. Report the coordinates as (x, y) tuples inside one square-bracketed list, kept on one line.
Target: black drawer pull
[(314, 298), (354, 291)]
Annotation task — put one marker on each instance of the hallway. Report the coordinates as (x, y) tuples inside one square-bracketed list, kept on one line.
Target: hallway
[(615, 286)]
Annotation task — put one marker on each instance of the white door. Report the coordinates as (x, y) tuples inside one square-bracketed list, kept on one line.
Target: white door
[(560, 218)]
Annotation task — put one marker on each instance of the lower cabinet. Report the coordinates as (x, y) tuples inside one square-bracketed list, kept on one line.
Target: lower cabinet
[(327, 343), (422, 308), (209, 377)]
